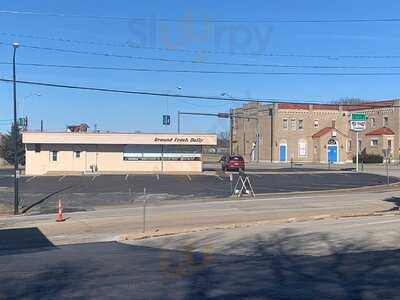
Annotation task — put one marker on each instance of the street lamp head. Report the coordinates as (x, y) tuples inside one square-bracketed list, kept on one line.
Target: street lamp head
[(15, 45)]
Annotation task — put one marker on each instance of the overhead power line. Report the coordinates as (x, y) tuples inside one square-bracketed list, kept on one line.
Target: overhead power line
[(182, 96), (200, 20), (144, 93), (196, 51), (86, 67), (202, 62)]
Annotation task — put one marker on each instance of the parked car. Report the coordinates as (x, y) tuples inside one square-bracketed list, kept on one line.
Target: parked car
[(232, 162)]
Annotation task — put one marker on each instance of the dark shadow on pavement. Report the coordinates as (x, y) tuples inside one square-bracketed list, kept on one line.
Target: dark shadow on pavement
[(23, 240), (272, 268), (395, 201)]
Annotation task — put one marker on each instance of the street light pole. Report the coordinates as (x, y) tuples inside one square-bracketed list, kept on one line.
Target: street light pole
[(15, 135)]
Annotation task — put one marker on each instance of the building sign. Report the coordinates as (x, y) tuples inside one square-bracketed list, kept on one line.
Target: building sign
[(185, 140), (358, 121), (358, 117), (358, 125)]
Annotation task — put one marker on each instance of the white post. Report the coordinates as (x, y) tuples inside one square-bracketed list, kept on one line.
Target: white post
[(357, 151)]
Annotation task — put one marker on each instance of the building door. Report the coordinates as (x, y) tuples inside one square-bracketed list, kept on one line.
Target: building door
[(332, 151), (91, 159), (282, 152)]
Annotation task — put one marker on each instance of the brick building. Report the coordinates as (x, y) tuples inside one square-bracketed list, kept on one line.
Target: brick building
[(313, 132)]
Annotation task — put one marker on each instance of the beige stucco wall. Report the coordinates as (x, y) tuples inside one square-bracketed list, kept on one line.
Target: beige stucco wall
[(107, 157), (118, 138)]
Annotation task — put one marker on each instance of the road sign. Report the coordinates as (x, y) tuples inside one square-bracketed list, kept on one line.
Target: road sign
[(358, 117), (166, 120), (22, 122), (358, 125)]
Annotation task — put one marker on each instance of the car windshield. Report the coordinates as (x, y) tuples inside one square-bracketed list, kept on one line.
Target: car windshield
[(236, 158)]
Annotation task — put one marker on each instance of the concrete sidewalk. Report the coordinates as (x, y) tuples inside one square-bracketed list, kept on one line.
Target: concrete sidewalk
[(127, 222)]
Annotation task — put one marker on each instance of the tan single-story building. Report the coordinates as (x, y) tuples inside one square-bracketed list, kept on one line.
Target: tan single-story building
[(85, 152)]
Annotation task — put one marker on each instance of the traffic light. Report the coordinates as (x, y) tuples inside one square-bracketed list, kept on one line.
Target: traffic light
[(166, 120), (23, 122)]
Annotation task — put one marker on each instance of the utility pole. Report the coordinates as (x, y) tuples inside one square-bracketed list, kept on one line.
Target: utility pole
[(41, 125), (231, 131), (15, 136)]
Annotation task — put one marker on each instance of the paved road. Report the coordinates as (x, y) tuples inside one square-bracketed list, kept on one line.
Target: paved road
[(88, 192), (163, 217), (268, 263)]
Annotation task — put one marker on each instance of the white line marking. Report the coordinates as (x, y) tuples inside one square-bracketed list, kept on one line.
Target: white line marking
[(158, 177), (30, 179), (94, 177), (189, 178), (219, 177), (126, 177), (216, 209), (62, 177)]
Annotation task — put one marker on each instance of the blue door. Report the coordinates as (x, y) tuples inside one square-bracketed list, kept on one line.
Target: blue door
[(332, 153), (282, 152)]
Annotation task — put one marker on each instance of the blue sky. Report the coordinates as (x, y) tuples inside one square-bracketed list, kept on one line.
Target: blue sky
[(58, 107)]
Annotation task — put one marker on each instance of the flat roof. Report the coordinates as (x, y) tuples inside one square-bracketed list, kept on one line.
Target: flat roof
[(101, 138)]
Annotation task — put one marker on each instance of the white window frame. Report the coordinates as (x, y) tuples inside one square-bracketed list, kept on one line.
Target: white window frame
[(299, 148), (293, 124), (54, 153), (348, 146), (373, 122), (384, 122), (300, 121), (373, 140), (285, 121)]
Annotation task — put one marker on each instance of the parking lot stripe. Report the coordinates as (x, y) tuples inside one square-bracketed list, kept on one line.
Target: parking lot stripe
[(94, 177), (158, 177), (189, 178), (30, 179), (62, 177), (219, 177), (126, 177)]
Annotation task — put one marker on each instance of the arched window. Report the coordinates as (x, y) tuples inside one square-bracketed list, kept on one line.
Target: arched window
[(302, 147)]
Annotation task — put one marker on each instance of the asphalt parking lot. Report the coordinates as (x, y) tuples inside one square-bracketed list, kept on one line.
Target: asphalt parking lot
[(90, 191)]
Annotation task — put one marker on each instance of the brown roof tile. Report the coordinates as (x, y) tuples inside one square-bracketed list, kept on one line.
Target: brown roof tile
[(322, 132), (381, 131)]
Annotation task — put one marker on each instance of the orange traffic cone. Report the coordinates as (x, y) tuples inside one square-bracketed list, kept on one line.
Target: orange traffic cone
[(60, 217)]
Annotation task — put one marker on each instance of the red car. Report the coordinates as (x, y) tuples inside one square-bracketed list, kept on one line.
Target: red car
[(233, 162)]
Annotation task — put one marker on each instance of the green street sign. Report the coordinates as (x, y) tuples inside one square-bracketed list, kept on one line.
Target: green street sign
[(358, 117), (21, 122)]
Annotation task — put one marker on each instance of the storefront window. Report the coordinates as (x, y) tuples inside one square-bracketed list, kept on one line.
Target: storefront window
[(142, 152), (162, 152)]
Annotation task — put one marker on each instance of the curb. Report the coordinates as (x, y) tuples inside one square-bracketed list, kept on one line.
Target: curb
[(158, 234)]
